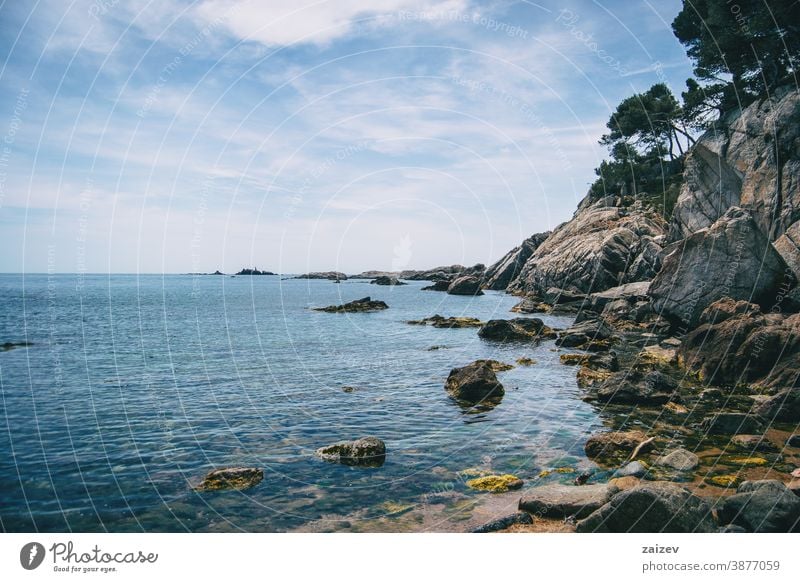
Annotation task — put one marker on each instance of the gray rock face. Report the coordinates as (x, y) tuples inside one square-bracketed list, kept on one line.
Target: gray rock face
[(601, 247), (474, 383), (365, 452), (679, 459), (762, 506), (631, 292), (499, 275), (559, 501), (467, 285), (731, 423), (751, 160), (650, 508), (731, 258), (740, 344)]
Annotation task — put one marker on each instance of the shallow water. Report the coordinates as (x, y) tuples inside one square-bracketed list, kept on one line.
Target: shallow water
[(136, 386)]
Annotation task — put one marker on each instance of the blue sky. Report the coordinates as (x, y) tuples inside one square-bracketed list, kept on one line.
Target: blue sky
[(168, 136)]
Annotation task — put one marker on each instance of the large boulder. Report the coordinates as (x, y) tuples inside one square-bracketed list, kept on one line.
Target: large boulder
[(507, 269), (762, 506), (731, 258), (387, 280), (679, 459), (364, 452), (560, 501), (584, 333), (651, 508), (474, 383), (750, 159), (603, 246), (735, 343), (467, 285)]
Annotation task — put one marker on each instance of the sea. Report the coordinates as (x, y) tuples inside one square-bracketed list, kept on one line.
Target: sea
[(133, 387)]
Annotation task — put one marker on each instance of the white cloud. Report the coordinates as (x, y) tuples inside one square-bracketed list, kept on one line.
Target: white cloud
[(276, 22)]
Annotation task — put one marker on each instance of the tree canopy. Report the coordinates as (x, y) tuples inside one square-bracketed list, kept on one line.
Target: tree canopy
[(740, 49)]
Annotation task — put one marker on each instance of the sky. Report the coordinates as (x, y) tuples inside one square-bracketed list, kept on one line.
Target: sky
[(173, 137)]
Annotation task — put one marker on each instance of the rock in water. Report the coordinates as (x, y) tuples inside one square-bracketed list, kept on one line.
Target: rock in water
[(730, 258), (560, 501), (651, 508), (474, 383), (679, 459), (467, 285), (447, 322), (441, 285), (387, 280), (330, 275), (237, 478), (762, 506), (363, 452), (503, 330), (357, 306), (495, 483)]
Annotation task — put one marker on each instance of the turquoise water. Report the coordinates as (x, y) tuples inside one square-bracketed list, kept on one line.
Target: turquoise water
[(136, 386)]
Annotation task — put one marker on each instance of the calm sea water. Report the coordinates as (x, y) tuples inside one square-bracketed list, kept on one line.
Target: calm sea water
[(136, 386)]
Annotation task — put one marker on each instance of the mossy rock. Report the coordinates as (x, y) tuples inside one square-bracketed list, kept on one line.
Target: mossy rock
[(745, 461), (235, 478), (496, 366), (573, 359), (557, 470), (526, 361), (496, 483), (726, 481), (394, 509)]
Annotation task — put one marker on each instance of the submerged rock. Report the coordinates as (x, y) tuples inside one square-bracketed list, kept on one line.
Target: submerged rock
[(651, 508), (495, 483), (12, 345), (762, 506), (561, 501), (237, 478), (519, 518), (363, 452), (359, 305), (474, 383), (467, 285)]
